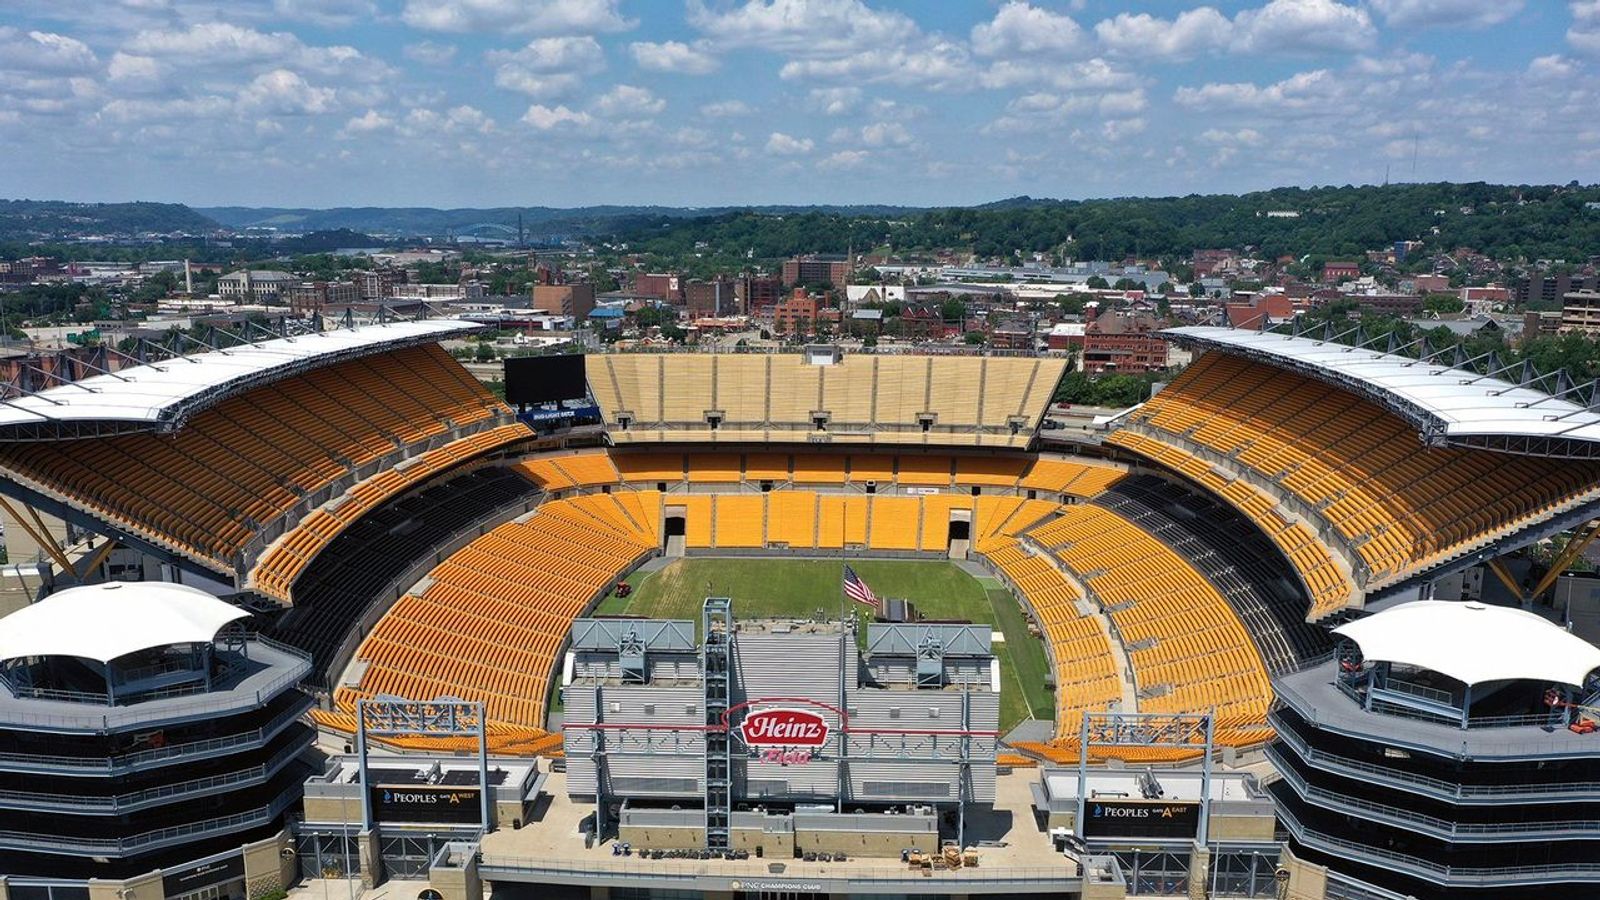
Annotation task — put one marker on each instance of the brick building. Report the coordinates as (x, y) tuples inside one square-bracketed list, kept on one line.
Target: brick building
[(797, 315), (1335, 272), (710, 298), (307, 297), (660, 285), (757, 292), (829, 270), (575, 300)]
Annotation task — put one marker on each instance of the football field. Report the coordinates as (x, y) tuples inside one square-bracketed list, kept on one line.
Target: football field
[(808, 588)]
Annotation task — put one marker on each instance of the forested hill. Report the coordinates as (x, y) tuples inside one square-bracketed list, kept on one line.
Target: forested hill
[(1506, 222), (537, 220), (27, 219)]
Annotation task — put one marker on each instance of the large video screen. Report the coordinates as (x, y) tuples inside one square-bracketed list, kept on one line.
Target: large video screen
[(533, 380)]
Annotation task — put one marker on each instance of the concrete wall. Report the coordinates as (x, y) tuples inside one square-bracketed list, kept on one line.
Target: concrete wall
[(1307, 880), (661, 837), (1242, 827), (886, 844), (267, 867)]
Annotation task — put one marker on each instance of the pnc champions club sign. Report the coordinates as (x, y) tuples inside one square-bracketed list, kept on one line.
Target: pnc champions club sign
[(784, 735)]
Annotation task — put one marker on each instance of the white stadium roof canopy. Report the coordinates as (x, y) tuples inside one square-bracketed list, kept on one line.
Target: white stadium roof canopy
[(105, 621), (1449, 405), (1474, 643), (160, 395)]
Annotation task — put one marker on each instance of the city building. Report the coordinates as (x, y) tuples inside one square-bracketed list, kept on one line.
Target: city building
[(661, 286), (1440, 755), (797, 315), (1011, 336), (1580, 312), (709, 299), (1388, 304), (1335, 272), (166, 739), (254, 285), (1549, 289), (377, 284), (830, 270), (308, 297), (757, 292), (1116, 342), (575, 301)]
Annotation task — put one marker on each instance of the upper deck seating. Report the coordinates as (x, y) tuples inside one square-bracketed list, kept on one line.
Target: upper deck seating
[(864, 399), (1399, 506), (245, 462), (283, 562)]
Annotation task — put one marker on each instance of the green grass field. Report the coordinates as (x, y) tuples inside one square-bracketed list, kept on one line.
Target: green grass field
[(763, 587)]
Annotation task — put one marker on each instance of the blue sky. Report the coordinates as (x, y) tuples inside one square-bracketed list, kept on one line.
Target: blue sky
[(715, 102)]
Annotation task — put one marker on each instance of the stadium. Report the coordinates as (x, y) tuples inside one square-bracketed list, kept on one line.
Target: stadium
[(594, 639)]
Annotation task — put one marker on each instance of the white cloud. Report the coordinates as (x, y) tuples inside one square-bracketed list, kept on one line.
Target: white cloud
[(833, 101), (1144, 36), (1247, 137), (548, 17), (429, 123), (1119, 129), (545, 118), (804, 28), (1302, 91), (1021, 28), (844, 159), (370, 122), (128, 67), (222, 45), (1085, 75), (1291, 26), (726, 109), (885, 134), (1445, 13), (1584, 34), (326, 13), (547, 67), (1551, 68), (673, 56), (43, 53), (780, 144), (627, 101), (941, 65), (430, 53), (286, 93)]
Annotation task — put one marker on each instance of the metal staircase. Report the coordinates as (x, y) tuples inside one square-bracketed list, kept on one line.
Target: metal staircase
[(715, 663)]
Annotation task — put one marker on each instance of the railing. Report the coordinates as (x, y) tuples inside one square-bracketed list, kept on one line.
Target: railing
[(503, 866), (149, 840), (1436, 787), (270, 531), (1444, 829), (133, 762), (1437, 872), (1414, 689), (1440, 717), (136, 800), (114, 717)]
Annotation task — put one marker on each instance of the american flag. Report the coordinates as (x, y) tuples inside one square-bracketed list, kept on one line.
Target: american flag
[(857, 590)]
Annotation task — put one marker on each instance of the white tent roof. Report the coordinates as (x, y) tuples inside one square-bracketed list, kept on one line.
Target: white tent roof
[(141, 395), (1466, 403), (104, 621), (1474, 643)]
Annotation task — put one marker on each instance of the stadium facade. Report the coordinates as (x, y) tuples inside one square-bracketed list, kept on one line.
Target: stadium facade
[(376, 507), (730, 745)]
